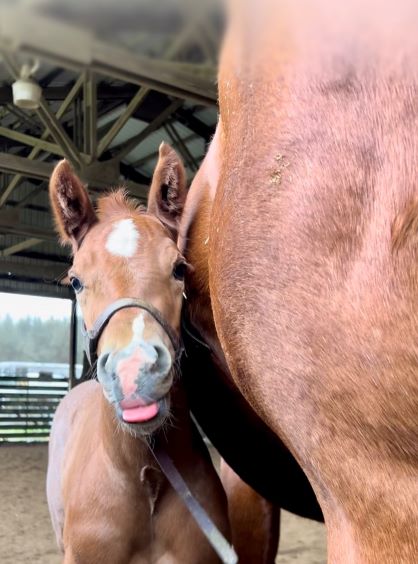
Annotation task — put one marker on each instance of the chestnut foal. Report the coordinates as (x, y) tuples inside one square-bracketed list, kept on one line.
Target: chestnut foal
[(108, 500)]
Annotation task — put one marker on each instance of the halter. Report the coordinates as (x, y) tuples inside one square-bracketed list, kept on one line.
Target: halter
[(91, 336)]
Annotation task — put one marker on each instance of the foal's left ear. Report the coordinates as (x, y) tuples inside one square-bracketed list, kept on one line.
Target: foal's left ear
[(71, 206), (168, 188)]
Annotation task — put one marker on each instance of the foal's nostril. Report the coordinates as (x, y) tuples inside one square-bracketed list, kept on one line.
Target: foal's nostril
[(101, 362), (104, 365), (163, 362)]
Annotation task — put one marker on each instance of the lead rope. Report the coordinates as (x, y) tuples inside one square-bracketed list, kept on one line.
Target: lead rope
[(216, 539), (187, 330)]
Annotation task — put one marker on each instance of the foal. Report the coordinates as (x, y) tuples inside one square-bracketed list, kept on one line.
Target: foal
[(109, 502)]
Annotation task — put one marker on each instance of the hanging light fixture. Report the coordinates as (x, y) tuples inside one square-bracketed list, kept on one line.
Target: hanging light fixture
[(26, 91)]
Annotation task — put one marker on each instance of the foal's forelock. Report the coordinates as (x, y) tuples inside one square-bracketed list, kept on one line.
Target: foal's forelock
[(117, 204)]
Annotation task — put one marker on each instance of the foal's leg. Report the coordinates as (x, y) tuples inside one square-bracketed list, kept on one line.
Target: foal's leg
[(255, 522), (69, 557)]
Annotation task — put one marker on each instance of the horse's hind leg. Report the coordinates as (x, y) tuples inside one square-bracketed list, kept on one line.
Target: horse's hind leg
[(69, 557), (255, 522)]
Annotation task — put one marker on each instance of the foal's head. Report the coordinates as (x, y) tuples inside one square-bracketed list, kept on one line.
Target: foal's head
[(123, 251)]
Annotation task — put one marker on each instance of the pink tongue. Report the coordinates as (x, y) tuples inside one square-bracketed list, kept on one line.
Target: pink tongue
[(141, 413)]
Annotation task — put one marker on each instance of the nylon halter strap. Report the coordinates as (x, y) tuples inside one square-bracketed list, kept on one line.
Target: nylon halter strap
[(215, 538), (91, 336)]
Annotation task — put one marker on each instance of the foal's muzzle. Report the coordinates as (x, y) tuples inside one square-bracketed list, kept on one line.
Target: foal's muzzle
[(138, 378)]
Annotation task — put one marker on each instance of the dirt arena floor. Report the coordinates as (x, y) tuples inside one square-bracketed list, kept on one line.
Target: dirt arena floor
[(26, 535)]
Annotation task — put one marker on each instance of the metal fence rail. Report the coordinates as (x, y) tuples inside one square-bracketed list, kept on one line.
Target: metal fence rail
[(29, 396)]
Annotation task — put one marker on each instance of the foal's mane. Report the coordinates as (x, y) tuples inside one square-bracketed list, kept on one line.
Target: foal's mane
[(117, 204)]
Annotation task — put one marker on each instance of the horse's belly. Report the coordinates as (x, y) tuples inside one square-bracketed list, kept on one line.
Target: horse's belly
[(254, 452)]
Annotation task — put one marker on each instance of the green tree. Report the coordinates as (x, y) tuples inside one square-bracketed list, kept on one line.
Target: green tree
[(33, 340)]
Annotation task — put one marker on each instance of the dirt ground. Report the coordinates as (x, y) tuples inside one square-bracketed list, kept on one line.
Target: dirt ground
[(26, 534)]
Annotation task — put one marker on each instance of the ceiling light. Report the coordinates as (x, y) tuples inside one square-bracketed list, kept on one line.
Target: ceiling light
[(26, 91)]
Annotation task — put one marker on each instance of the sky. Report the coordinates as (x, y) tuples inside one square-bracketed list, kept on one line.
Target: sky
[(19, 306)]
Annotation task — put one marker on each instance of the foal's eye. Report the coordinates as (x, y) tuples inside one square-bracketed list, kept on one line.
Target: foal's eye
[(76, 284), (179, 270)]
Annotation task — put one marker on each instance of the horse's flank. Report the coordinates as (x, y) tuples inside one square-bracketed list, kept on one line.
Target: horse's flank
[(312, 253)]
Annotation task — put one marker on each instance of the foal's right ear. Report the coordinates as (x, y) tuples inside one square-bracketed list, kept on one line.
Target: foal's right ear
[(71, 206), (168, 188)]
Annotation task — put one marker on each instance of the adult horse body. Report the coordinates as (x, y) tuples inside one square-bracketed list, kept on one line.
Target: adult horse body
[(248, 446), (108, 499), (309, 252)]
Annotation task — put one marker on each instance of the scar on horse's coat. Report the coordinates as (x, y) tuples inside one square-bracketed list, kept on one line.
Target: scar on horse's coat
[(276, 175)]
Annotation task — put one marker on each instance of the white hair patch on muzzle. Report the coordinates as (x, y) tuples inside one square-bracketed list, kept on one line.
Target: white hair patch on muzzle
[(138, 327), (123, 239)]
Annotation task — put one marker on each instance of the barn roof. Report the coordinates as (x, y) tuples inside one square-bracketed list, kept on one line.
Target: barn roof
[(117, 78)]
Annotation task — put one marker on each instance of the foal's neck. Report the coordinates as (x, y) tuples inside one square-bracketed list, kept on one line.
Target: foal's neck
[(129, 453), (123, 449)]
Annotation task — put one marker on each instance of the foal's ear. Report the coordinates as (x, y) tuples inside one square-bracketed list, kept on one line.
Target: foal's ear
[(168, 188), (71, 206)]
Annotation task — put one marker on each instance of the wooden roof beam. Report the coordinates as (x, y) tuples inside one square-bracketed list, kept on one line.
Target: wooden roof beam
[(69, 46), (26, 244), (42, 271), (98, 175)]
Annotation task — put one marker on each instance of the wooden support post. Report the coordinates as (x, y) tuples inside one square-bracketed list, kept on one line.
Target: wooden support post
[(90, 115), (73, 345), (59, 134)]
